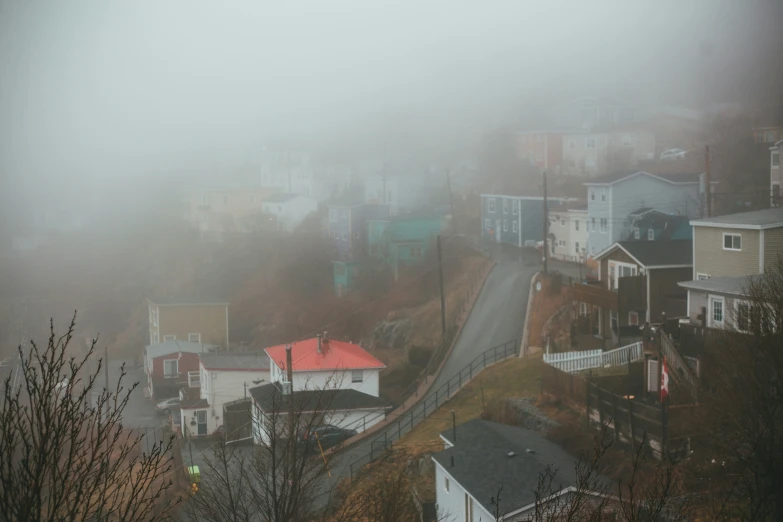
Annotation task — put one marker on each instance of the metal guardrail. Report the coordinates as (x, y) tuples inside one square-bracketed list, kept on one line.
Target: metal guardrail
[(382, 444), (587, 359)]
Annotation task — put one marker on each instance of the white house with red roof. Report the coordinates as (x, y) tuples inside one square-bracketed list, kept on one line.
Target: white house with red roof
[(337, 379)]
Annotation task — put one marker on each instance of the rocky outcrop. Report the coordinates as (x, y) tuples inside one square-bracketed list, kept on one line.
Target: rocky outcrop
[(391, 334)]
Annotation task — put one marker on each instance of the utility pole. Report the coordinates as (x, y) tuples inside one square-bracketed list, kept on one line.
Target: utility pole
[(454, 425), (291, 424), (546, 225), (707, 191), (442, 295), (451, 201)]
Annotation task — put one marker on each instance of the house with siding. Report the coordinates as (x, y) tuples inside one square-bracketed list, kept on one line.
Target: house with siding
[(186, 318), (514, 220), (482, 460), (568, 233), (612, 199), (348, 227), (775, 173), (170, 365), (404, 240), (644, 277), (728, 253), (337, 379), (591, 153)]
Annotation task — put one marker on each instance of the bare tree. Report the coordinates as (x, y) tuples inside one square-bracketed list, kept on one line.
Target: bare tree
[(744, 370), (66, 454)]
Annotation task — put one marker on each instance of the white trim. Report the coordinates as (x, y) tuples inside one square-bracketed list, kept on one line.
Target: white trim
[(735, 226), (693, 255), (455, 481), (731, 249), (196, 334), (710, 300), (658, 267), (761, 252), (641, 172), (647, 313), (701, 276), (169, 338)]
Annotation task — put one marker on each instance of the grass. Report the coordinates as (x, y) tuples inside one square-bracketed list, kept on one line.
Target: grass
[(511, 378)]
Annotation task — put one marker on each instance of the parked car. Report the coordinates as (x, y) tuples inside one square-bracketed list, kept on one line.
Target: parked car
[(328, 435), (165, 406), (673, 154)]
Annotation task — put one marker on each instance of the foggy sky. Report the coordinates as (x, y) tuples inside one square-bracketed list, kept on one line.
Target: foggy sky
[(97, 89)]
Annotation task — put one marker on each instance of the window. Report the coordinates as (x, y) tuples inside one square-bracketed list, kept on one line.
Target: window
[(514, 223), (576, 224), (603, 225), (339, 269), (562, 222), (576, 247), (636, 232), (486, 224), (592, 195), (633, 318), (204, 382), (169, 338), (194, 337), (505, 225), (582, 309), (505, 206), (742, 316), (170, 368), (592, 221), (154, 316), (614, 320), (716, 311), (194, 379), (357, 376), (446, 484), (775, 194), (650, 234), (514, 208), (701, 277), (732, 241), (416, 252), (590, 143), (775, 159), (491, 205), (603, 194)]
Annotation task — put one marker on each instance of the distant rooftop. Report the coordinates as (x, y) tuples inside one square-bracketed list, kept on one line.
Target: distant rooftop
[(676, 179), (192, 299), (650, 254), (757, 219), (167, 347), (280, 197), (240, 361), (722, 285)]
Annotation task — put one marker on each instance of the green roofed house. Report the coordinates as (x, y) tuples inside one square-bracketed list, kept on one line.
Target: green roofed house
[(403, 241)]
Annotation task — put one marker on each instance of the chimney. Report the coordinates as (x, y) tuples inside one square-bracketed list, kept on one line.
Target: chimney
[(324, 342), (319, 343)]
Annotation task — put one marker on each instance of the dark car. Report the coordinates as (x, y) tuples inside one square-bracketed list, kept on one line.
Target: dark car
[(328, 435)]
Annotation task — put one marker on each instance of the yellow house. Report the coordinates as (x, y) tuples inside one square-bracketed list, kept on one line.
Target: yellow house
[(194, 321), (224, 209)]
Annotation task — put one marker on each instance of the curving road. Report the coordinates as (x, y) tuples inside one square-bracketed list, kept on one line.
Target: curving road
[(497, 316)]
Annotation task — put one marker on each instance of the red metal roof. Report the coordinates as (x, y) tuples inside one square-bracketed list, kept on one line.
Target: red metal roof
[(335, 355)]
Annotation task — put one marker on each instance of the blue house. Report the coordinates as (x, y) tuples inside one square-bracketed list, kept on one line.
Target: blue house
[(348, 227), (514, 220)]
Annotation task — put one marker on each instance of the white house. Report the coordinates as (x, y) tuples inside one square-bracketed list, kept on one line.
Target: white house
[(568, 231), (289, 209), (485, 456), (334, 378), (224, 379)]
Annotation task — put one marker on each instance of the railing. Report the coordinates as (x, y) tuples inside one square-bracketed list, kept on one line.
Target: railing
[(383, 443), (587, 359), (682, 371)]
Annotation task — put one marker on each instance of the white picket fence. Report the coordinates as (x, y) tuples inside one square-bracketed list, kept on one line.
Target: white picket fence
[(586, 359)]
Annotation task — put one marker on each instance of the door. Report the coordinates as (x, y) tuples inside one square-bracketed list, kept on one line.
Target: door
[(716, 312), (497, 230), (201, 420)]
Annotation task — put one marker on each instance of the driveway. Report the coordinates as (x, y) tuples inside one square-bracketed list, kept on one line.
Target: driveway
[(497, 317)]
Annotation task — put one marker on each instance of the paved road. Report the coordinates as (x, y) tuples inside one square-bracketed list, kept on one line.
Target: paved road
[(497, 316)]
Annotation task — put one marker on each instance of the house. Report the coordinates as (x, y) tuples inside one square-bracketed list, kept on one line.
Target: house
[(769, 134), (348, 227), (611, 200), (644, 276), (224, 378), (403, 241), (220, 209), (588, 153), (336, 378), (514, 220), (481, 457), (403, 194), (347, 273), (775, 176), (191, 319), (728, 253), (568, 233), (289, 210), (648, 224), (289, 171), (542, 149), (170, 365)]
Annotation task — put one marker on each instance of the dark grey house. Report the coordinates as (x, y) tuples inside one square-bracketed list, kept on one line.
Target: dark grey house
[(514, 219)]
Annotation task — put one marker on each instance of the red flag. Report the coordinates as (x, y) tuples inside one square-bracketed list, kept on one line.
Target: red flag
[(664, 381)]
